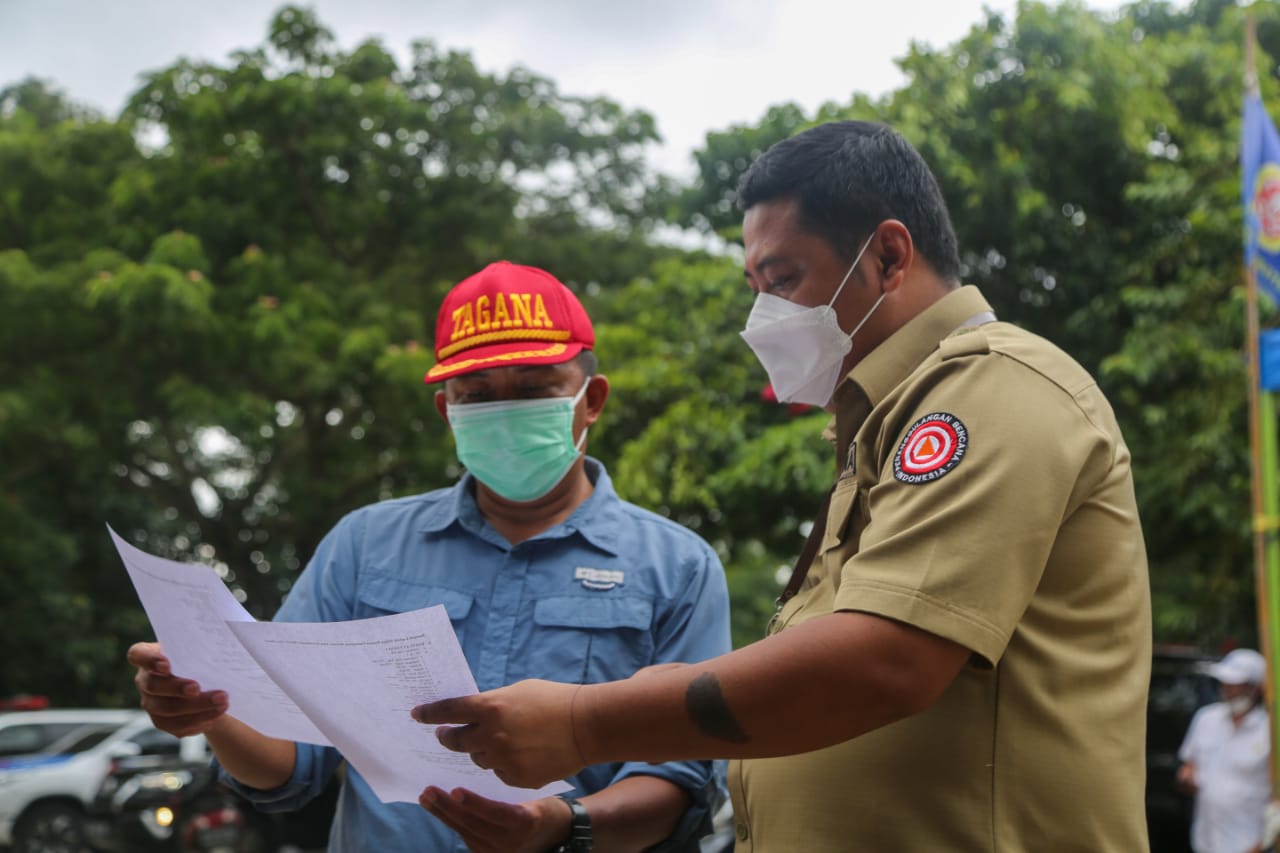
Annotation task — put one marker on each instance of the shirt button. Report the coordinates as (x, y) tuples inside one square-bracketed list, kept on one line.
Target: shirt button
[(742, 832)]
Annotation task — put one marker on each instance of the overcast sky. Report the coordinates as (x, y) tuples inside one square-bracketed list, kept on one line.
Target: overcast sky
[(697, 65)]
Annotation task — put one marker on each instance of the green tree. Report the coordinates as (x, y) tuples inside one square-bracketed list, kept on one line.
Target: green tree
[(1089, 161), (216, 310)]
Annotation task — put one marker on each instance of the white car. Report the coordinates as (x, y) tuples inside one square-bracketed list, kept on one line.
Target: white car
[(43, 794), (26, 732)]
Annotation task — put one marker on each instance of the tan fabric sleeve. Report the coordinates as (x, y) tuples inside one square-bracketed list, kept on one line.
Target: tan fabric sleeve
[(960, 556)]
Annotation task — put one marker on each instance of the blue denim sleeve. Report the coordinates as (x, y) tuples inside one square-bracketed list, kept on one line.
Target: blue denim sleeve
[(323, 593), (326, 589), (693, 628), (313, 766), (703, 781)]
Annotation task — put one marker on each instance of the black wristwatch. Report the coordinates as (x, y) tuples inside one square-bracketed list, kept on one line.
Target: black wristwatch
[(579, 840)]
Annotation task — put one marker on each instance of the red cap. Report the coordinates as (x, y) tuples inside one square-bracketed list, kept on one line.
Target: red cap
[(508, 314)]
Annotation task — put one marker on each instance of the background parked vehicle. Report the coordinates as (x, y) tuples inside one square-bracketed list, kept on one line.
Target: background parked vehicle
[(27, 732), (175, 804), (44, 794), (172, 804)]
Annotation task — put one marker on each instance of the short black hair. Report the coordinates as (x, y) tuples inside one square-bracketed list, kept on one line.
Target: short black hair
[(849, 176)]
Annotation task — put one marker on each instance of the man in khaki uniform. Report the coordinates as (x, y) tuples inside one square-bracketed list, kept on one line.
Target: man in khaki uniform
[(965, 665)]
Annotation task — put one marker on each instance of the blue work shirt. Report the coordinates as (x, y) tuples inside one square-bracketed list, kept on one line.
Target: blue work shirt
[(612, 589)]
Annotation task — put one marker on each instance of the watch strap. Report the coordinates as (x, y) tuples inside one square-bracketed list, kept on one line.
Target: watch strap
[(580, 838)]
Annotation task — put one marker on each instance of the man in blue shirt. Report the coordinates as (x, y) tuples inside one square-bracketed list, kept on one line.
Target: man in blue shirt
[(544, 571)]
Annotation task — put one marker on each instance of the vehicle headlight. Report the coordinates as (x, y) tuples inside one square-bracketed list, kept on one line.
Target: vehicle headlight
[(170, 780), (158, 822)]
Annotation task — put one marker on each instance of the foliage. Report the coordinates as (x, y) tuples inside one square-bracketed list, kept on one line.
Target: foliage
[(215, 309), (1090, 165)]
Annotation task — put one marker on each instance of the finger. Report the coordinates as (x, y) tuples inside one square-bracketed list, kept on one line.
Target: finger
[(478, 834), (193, 724), (460, 709), (166, 706), (459, 738), (460, 806), (152, 684), (489, 811), (182, 725), (148, 656)]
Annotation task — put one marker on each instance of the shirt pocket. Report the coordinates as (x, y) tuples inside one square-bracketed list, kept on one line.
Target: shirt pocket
[(582, 639), (841, 515), (380, 595)]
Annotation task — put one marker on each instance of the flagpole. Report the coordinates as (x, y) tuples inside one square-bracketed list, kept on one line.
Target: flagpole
[(1263, 455), (1264, 513)]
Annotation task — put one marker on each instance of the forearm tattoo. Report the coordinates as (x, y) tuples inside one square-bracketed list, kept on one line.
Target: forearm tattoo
[(709, 711)]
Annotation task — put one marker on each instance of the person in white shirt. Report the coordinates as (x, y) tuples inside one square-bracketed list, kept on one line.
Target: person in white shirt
[(1226, 759)]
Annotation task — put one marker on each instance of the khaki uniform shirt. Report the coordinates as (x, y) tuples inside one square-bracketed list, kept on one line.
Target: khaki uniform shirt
[(985, 497)]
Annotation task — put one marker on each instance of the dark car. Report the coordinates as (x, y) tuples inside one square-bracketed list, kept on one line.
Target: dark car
[(1179, 686), (169, 804), (179, 806)]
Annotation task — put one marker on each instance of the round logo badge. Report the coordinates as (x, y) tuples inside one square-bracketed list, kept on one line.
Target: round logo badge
[(933, 446), (1266, 206)]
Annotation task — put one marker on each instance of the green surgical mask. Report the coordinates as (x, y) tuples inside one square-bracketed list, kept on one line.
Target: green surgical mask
[(518, 448)]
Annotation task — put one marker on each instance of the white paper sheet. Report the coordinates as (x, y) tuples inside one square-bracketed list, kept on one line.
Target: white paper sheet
[(349, 684), (190, 607), (358, 681)]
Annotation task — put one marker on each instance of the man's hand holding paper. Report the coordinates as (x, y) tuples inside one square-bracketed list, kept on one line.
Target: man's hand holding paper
[(350, 684)]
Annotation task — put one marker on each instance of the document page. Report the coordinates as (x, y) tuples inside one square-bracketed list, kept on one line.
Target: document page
[(358, 681), (189, 608)]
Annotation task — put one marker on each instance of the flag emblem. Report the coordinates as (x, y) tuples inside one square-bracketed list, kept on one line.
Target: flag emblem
[(933, 446), (1266, 206), (1260, 194)]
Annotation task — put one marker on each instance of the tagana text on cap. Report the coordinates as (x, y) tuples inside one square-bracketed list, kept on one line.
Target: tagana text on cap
[(508, 314)]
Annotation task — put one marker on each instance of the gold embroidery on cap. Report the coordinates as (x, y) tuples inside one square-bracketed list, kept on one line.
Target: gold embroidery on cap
[(554, 349), (499, 337)]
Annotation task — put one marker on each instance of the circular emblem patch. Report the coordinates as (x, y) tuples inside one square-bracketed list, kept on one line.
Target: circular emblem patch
[(933, 446), (1266, 206)]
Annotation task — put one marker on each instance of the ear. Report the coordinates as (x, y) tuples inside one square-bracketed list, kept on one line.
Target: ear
[(442, 406), (597, 393), (896, 253)]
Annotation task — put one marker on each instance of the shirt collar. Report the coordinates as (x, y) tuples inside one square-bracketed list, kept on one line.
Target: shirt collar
[(884, 368), (598, 519)]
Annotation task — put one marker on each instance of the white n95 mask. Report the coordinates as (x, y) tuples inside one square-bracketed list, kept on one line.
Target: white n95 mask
[(802, 348)]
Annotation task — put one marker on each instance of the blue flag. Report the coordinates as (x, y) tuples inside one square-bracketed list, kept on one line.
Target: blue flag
[(1260, 164)]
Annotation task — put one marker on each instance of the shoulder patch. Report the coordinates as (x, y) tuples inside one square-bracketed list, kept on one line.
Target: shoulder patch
[(932, 446)]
